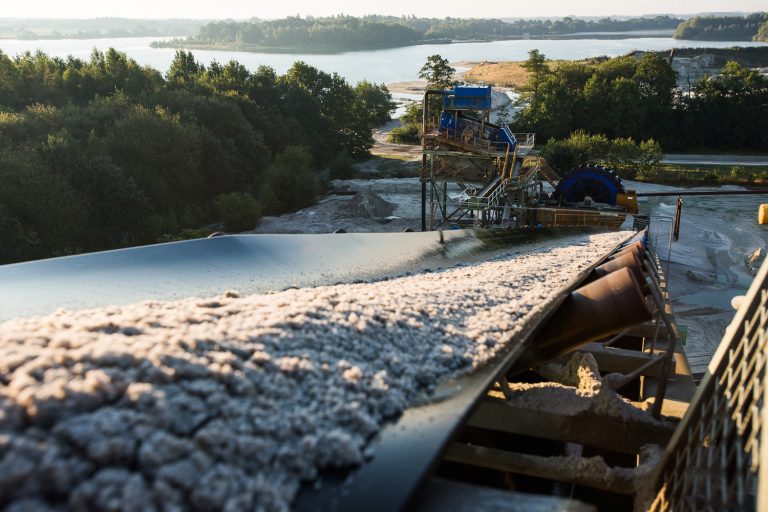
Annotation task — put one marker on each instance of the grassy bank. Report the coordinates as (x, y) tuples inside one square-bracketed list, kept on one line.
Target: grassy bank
[(503, 74), (678, 174)]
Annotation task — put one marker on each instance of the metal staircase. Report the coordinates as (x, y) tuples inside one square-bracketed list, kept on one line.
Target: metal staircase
[(542, 169)]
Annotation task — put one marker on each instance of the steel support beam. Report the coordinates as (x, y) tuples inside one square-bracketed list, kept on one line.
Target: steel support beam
[(589, 472), (590, 428), (622, 360)]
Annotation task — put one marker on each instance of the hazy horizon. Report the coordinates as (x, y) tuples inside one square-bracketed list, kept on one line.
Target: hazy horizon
[(230, 9)]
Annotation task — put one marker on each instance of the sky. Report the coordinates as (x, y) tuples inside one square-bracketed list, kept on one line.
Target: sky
[(239, 9)]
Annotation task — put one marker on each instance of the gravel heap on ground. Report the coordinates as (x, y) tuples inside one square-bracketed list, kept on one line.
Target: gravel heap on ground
[(230, 403), (367, 204)]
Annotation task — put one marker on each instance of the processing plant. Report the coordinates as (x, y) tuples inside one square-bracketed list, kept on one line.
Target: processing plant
[(501, 180), (470, 369)]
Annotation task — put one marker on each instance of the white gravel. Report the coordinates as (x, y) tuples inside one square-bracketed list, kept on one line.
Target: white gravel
[(229, 403)]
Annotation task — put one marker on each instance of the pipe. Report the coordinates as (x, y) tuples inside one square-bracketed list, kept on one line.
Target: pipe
[(423, 205), (678, 212), (703, 193), (601, 308), (424, 117)]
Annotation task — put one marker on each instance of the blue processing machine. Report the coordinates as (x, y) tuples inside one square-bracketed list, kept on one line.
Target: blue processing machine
[(478, 173)]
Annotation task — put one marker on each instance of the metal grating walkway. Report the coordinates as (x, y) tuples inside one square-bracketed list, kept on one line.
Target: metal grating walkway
[(713, 461)]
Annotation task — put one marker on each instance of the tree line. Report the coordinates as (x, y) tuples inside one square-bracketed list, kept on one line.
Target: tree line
[(637, 98), (105, 153), (477, 28), (15, 28), (346, 32), (333, 33), (725, 28)]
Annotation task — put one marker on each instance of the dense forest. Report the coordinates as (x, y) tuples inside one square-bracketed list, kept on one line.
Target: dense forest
[(463, 28), (35, 28), (105, 153), (627, 97), (725, 28), (346, 32), (296, 32)]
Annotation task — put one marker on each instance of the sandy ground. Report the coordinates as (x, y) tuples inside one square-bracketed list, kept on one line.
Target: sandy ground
[(416, 87), (715, 235), (324, 217), (407, 152), (229, 403)]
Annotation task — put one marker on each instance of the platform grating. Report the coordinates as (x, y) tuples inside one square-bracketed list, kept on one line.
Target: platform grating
[(713, 461)]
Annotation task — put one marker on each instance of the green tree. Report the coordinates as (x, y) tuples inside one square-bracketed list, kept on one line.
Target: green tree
[(45, 212), (184, 71), (656, 81), (438, 72), (290, 183), (762, 33), (343, 112), (376, 102), (231, 79), (547, 112), (537, 68), (728, 111)]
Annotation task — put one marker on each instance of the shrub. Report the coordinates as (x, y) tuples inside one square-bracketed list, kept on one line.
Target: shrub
[(621, 153), (290, 182), (408, 134), (238, 210), (341, 168)]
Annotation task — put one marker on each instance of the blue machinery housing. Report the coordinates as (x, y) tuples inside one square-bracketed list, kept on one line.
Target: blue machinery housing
[(454, 121), (468, 98)]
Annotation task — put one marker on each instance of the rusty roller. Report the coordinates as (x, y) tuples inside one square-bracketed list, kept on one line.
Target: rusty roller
[(603, 307), (642, 236), (636, 248), (628, 260)]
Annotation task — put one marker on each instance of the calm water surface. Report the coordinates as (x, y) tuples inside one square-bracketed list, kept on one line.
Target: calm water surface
[(391, 65)]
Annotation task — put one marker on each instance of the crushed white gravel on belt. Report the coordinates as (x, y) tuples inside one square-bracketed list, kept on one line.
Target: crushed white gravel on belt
[(229, 403)]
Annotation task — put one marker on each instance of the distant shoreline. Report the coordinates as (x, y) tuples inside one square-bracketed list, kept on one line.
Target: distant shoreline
[(317, 49), (180, 44), (82, 37)]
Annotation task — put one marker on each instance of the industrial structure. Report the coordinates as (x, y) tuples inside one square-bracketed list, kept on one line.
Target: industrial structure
[(501, 181), (589, 403), (628, 430)]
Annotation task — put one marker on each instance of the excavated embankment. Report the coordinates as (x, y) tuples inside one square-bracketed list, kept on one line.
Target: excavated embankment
[(229, 403)]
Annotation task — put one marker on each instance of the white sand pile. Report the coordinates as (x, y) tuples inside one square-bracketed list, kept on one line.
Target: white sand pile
[(230, 403)]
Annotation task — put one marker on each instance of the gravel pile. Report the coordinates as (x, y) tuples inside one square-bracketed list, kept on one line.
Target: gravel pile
[(229, 403), (366, 204)]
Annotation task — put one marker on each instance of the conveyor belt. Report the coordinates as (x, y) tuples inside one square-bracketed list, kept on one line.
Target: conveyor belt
[(246, 263), (406, 452), (206, 267)]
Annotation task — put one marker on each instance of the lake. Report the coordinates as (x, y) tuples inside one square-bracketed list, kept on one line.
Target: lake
[(380, 66)]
